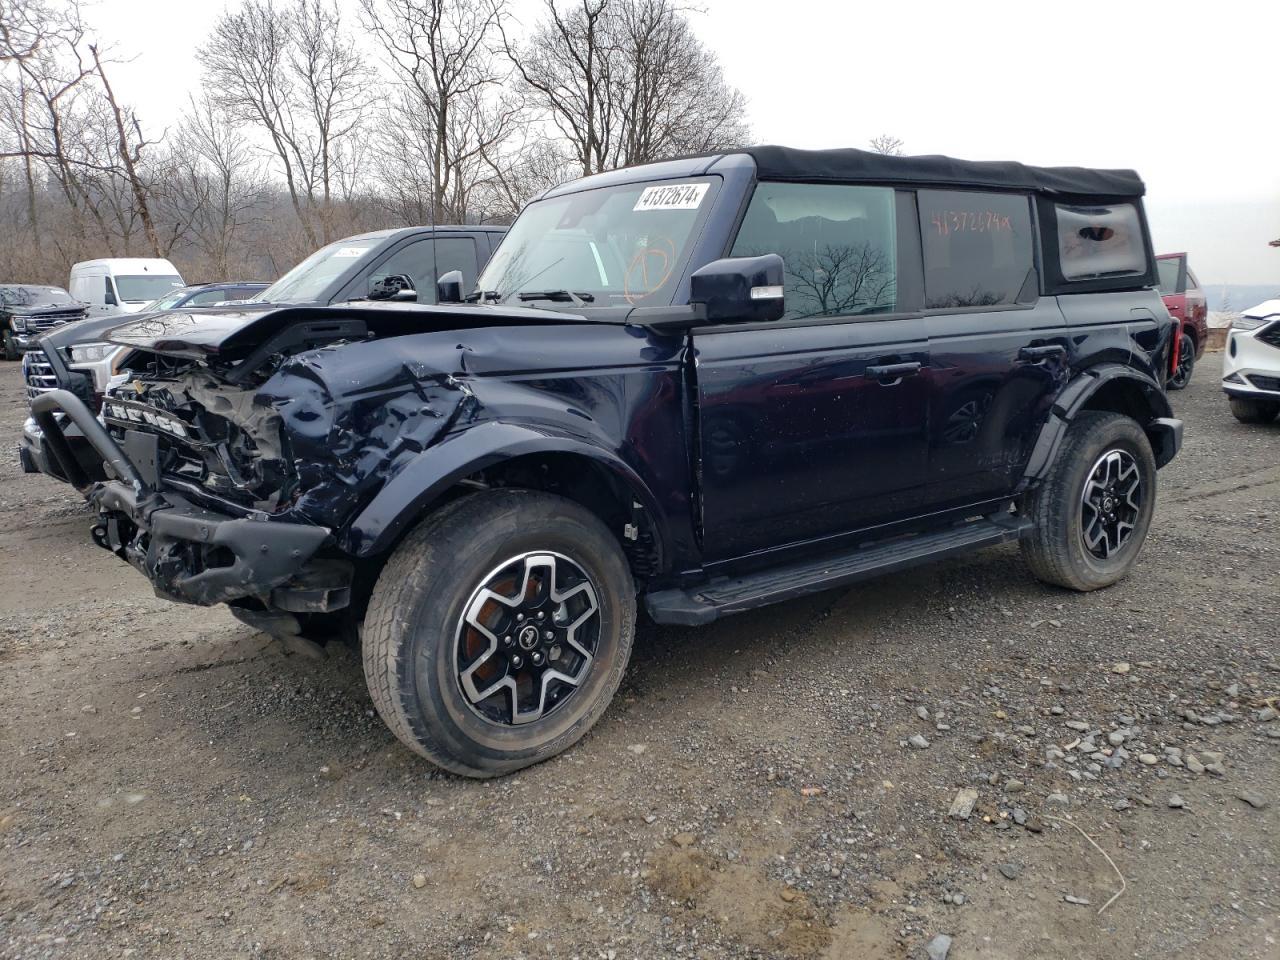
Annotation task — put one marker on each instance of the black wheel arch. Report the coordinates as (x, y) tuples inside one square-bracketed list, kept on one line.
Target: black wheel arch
[(504, 454), (1110, 387)]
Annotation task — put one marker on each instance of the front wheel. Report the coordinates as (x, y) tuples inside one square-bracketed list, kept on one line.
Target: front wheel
[(1251, 410), (499, 631), (1092, 512), (1186, 363), (11, 351)]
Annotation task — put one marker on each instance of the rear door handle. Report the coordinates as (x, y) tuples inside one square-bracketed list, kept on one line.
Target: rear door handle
[(1037, 354), (890, 373)]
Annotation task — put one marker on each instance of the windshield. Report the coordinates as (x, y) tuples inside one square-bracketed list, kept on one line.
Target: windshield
[(613, 246), (307, 282), (25, 296), (167, 302), (142, 289)]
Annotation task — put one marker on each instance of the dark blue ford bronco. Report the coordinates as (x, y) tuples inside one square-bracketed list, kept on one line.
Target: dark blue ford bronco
[(699, 386)]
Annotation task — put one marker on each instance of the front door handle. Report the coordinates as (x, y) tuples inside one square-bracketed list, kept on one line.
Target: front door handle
[(1039, 354), (891, 373)]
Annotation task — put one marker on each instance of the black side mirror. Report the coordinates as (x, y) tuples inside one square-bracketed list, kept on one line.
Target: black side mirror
[(394, 287), (449, 287), (109, 298), (740, 289)]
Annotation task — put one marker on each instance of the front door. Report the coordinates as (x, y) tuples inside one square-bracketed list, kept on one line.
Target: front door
[(999, 351), (817, 424)]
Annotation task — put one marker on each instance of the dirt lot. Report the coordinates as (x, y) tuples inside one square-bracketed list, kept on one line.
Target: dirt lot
[(174, 785)]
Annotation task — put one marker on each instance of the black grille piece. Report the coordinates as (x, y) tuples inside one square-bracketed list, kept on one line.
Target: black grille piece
[(1270, 335), (1265, 383)]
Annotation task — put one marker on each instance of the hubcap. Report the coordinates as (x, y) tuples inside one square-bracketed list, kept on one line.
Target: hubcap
[(1111, 503), (527, 638)]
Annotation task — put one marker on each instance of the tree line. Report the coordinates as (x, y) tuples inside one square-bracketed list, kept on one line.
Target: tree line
[(313, 121)]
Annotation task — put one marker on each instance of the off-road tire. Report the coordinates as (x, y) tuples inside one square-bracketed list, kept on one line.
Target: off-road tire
[(412, 622), (1186, 363), (1250, 410), (11, 351), (1055, 549)]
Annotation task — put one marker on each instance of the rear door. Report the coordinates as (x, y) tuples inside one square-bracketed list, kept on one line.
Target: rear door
[(816, 424), (999, 350)]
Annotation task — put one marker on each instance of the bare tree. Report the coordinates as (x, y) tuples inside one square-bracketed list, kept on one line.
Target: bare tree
[(129, 148), (293, 73), (626, 81), (218, 185), (887, 145), (451, 113)]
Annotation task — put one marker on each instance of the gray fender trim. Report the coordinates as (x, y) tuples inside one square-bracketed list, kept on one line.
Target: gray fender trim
[(1166, 440)]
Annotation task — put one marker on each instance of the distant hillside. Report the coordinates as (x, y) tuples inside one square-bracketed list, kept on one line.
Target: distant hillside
[(1238, 296)]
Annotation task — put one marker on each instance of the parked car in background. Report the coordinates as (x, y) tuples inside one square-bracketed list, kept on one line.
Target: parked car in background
[(119, 285), (207, 294), (29, 310), (641, 405), (401, 264), (1186, 303), (1251, 364)]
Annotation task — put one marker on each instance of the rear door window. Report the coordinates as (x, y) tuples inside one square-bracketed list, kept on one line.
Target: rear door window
[(838, 245), (978, 249), (1168, 270), (1100, 240)]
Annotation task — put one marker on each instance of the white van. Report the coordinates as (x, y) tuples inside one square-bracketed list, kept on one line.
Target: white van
[(121, 284)]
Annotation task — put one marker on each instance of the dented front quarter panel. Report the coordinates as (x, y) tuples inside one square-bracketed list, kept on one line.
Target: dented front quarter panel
[(365, 424)]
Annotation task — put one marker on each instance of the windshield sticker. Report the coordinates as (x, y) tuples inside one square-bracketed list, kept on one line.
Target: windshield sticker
[(351, 251), (674, 196)]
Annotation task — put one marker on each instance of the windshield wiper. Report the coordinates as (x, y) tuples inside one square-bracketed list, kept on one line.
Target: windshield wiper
[(483, 296), (559, 296)]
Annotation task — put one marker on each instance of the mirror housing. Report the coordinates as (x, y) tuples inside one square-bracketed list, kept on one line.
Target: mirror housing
[(394, 287), (109, 298), (740, 289), (449, 287)]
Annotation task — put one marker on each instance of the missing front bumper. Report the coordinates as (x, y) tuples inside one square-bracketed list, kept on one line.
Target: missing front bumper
[(190, 554)]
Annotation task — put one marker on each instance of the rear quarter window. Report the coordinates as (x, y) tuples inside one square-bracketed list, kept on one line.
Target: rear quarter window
[(1100, 240)]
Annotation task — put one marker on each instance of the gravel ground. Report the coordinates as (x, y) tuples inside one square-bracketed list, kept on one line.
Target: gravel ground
[(780, 784)]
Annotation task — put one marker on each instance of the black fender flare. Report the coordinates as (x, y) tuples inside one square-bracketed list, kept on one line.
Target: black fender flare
[(1162, 429), (404, 498)]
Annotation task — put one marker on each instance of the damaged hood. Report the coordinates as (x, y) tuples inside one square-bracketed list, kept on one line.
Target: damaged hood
[(229, 333)]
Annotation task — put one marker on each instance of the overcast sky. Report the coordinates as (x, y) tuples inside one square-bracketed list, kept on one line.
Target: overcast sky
[(1185, 93)]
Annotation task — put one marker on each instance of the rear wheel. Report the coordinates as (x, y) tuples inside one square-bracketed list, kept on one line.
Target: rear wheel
[(499, 630), (1092, 512), (1186, 363), (1251, 410)]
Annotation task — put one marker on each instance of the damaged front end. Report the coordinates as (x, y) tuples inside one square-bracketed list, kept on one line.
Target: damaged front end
[(232, 469)]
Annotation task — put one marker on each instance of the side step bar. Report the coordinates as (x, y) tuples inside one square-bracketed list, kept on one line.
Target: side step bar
[(692, 606)]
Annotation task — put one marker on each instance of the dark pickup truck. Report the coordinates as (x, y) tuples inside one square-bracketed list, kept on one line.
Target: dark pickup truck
[(400, 264), (699, 386)]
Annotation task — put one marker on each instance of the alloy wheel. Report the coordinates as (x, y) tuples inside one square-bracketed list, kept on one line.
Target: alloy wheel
[(527, 638), (1111, 503)]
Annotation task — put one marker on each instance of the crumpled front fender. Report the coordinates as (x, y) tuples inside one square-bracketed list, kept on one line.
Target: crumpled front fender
[(402, 501)]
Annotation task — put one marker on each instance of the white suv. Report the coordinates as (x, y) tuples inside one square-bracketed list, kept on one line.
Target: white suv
[(1251, 364)]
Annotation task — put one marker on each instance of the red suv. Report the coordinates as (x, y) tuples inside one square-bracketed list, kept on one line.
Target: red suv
[(1185, 302)]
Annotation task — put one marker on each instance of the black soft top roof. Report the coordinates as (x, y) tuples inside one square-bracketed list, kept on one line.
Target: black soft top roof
[(788, 163)]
